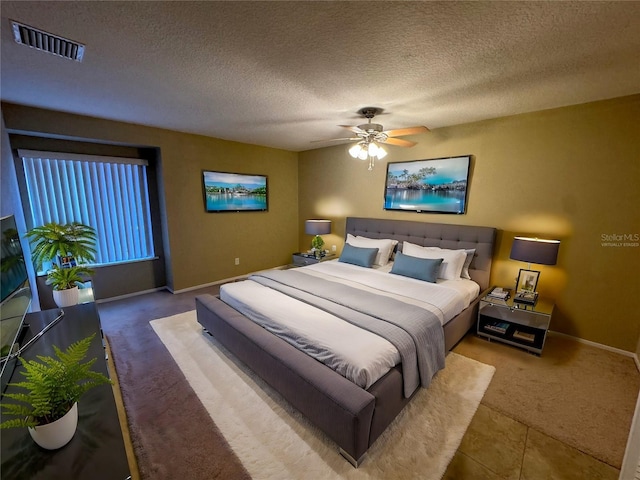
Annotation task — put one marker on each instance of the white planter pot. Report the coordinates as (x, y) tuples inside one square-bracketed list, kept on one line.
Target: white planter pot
[(57, 434), (66, 298)]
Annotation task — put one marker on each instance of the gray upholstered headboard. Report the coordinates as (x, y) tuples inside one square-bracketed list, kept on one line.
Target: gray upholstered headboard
[(434, 235)]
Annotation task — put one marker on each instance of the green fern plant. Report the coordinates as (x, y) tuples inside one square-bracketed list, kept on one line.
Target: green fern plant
[(53, 385)]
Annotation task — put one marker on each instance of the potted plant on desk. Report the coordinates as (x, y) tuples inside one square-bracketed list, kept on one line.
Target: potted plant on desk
[(63, 246), (50, 408)]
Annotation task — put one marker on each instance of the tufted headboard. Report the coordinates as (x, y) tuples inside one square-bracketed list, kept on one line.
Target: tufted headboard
[(434, 235)]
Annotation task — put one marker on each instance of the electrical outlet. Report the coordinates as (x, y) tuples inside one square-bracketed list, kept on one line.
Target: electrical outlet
[(333, 248), (237, 261)]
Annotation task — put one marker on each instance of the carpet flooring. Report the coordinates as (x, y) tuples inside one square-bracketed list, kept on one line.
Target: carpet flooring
[(172, 434), (274, 441), (589, 403)]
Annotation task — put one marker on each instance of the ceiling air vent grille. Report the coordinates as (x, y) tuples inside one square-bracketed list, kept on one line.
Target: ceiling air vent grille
[(47, 42)]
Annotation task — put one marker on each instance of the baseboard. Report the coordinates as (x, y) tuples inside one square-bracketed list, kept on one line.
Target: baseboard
[(128, 295), (601, 346), (205, 285), (182, 290), (220, 282)]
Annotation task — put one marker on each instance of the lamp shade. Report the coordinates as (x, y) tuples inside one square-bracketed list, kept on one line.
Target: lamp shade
[(355, 150), (317, 227), (535, 250)]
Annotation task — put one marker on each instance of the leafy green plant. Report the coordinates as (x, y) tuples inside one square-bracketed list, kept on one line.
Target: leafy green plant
[(53, 240), (53, 386), (64, 278), (317, 242)]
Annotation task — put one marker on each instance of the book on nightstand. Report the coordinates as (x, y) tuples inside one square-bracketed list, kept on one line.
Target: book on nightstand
[(499, 327), (499, 293), (528, 298), (529, 337)]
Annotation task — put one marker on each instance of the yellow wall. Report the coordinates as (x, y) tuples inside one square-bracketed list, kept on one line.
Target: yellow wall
[(201, 246), (571, 174)]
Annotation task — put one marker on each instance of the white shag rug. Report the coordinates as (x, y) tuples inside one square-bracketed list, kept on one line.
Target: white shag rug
[(274, 441)]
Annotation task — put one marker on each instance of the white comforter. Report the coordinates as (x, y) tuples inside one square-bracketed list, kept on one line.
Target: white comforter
[(359, 355), (446, 299)]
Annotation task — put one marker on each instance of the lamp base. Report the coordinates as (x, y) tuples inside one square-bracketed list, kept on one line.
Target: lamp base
[(528, 298)]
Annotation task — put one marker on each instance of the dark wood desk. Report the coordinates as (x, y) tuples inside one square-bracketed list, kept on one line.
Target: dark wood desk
[(97, 449)]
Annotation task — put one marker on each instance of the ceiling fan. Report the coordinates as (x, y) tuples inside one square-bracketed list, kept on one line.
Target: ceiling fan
[(370, 135)]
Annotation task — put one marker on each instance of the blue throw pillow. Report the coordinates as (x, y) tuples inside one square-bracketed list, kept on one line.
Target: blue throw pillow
[(363, 257), (421, 268)]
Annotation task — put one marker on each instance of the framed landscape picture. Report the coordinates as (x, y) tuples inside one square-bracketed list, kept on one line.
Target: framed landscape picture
[(438, 185), (234, 192), (527, 280)]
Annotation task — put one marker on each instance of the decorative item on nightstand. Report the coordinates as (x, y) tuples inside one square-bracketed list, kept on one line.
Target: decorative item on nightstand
[(317, 228), (532, 250)]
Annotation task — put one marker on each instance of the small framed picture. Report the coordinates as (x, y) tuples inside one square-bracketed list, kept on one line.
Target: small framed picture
[(67, 262), (527, 280)]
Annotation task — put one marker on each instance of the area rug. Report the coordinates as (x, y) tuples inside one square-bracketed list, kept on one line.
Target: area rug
[(272, 440)]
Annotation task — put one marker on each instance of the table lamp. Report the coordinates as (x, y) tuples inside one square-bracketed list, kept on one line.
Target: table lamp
[(532, 250), (317, 228)]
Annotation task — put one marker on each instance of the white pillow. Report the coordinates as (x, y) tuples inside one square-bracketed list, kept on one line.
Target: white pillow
[(470, 252), (452, 260), (393, 243), (385, 247)]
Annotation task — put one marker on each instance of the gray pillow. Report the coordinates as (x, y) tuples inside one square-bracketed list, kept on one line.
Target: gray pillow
[(420, 268), (363, 257)]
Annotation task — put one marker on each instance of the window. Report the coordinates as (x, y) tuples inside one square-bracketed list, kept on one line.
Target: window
[(108, 193)]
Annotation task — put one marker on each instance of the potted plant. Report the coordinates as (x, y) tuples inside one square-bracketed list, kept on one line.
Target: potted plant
[(49, 409), (317, 244), (64, 246)]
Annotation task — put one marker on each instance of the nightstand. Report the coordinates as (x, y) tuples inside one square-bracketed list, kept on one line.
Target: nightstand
[(516, 324), (302, 259)]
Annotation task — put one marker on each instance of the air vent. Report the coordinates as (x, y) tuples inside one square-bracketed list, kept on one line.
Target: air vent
[(47, 42)]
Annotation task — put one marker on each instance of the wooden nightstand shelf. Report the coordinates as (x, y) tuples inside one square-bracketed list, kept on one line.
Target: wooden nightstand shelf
[(301, 259), (520, 325)]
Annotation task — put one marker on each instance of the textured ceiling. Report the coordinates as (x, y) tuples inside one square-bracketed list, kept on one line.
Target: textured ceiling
[(284, 74)]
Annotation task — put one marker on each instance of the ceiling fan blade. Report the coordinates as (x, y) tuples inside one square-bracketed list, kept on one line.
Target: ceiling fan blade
[(398, 142), (401, 132), (347, 139), (354, 129)]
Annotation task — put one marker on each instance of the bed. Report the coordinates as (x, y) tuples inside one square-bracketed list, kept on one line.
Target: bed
[(352, 416)]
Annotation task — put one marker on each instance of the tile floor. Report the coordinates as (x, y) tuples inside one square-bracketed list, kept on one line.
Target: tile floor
[(498, 447)]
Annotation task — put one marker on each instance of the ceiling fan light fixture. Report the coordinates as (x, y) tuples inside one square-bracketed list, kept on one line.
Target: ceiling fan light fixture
[(369, 137), (355, 150)]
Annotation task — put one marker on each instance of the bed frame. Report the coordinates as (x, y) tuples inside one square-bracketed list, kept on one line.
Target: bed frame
[(351, 416)]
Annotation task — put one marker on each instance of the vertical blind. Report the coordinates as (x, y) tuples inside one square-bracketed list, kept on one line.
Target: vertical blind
[(109, 194)]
